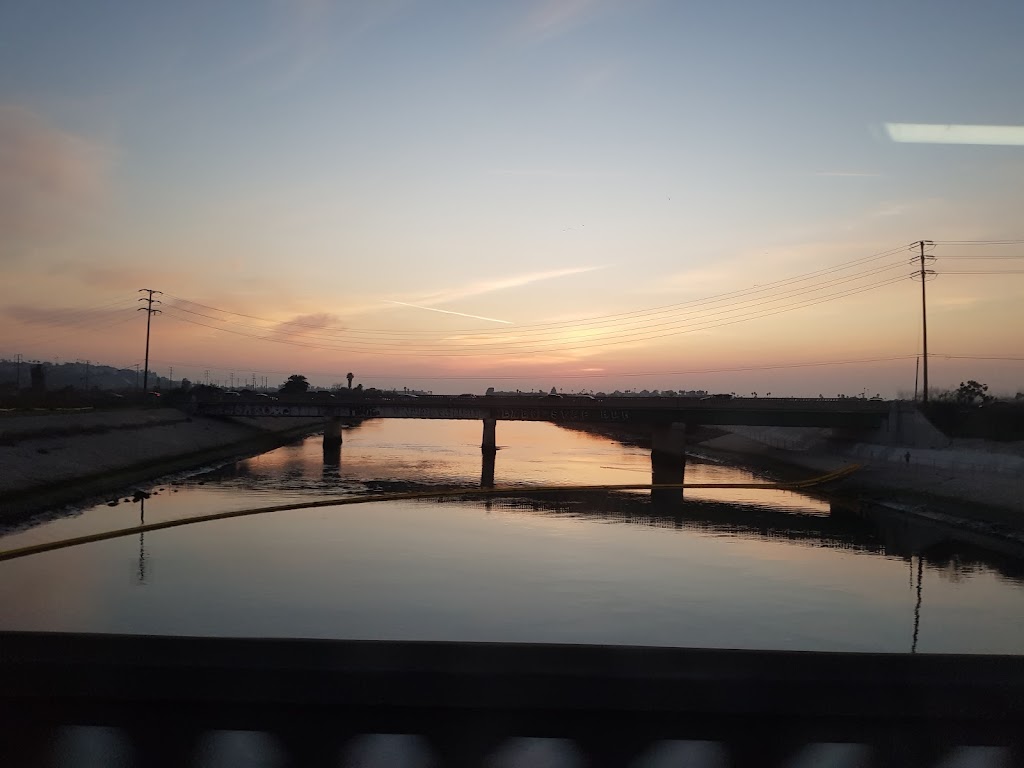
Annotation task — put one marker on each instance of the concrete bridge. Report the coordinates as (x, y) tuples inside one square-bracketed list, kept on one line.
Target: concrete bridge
[(666, 417), (845, 413)]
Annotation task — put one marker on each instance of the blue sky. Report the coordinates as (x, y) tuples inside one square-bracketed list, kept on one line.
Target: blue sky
[(530, 162)]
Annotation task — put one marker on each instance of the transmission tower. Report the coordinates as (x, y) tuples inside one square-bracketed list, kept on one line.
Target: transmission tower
[(924, 275), (148, 309)]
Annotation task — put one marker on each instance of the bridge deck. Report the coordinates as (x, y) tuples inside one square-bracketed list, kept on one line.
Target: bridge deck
[(844, 413)]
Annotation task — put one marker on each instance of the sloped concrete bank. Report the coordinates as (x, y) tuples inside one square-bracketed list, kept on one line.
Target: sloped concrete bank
[(51, 459), (961, 485)]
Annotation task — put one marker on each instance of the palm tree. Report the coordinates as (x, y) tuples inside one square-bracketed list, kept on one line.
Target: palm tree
[(349, 376)]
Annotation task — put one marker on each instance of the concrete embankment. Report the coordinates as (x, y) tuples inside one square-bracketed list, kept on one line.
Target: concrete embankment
[(971, 480), (50, 459)]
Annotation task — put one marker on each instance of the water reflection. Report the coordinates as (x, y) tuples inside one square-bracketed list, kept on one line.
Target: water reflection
[(816, 561), (487, 468)]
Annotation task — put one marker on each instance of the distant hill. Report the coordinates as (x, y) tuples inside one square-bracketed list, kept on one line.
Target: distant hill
[(78, 375)]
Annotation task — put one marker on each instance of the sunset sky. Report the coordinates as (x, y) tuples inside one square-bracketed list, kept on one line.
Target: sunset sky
[(455, 195)]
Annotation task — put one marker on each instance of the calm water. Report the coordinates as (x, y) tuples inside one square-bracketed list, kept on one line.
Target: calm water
[(722, 568)]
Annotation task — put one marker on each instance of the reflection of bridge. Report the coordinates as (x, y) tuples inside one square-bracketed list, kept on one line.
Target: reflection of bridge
[(667, 417)]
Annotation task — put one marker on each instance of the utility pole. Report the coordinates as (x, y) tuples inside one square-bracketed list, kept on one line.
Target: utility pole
[(917, 368), (170, 377), (148, 309), (924, 315)]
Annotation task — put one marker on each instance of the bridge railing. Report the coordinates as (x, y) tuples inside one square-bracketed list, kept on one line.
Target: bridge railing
[(165, 700)]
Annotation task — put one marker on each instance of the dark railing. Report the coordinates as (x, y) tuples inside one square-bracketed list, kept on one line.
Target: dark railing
[(160, 701)]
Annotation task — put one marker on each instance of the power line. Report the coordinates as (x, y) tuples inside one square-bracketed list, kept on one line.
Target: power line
[(977, 242), (518, 341), (81, 326), (622, 339), (522, 338), (982, 357), (63, 320), (575, 323)]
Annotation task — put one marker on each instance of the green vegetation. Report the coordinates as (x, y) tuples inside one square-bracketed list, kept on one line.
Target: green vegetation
[(296, 384)]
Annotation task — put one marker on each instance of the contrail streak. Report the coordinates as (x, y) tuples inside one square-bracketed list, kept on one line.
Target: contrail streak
[(449, 312)]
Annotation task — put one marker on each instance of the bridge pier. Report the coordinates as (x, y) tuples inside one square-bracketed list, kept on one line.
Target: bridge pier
[(489, 443), (668, 441), (666, 471), (487, 468), (668, 465), (332, 434), (332, 457)]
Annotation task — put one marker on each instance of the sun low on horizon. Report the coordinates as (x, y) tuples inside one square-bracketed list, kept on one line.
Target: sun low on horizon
[(596, 195)]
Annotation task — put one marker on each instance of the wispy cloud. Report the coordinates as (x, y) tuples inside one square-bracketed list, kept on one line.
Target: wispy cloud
[(48, 177), (306, 323), (553, 16), (550, 173), (305, 32), (450, 312), (550, 18), (499, 284), (849, 174), (556, 13), (700, 280), (925, 133)]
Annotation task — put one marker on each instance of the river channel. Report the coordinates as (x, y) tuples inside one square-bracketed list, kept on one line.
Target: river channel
[(723, 568)]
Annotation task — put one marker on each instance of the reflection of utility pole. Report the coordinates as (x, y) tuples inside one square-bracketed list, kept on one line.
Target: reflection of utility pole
[(142, 542), (142, 558), (136, 376), (148, 309), (917, 607), (924, 315)]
